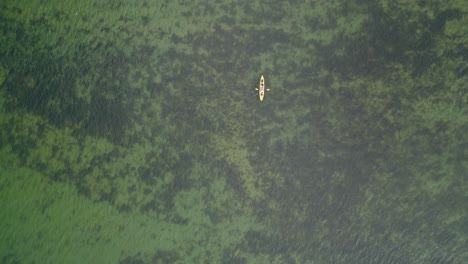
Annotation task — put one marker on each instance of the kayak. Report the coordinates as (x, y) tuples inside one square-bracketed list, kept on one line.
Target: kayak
[(261, 88)]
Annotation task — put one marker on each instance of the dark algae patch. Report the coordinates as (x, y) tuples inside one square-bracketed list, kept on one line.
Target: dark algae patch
[(131, 132)]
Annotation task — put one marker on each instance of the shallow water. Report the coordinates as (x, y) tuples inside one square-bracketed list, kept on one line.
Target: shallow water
[(132, 132)]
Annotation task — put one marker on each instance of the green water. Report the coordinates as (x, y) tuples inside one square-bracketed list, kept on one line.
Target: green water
[(130, 132)]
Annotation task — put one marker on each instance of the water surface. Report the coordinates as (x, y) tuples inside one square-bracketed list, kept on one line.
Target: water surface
[(131, 132)]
